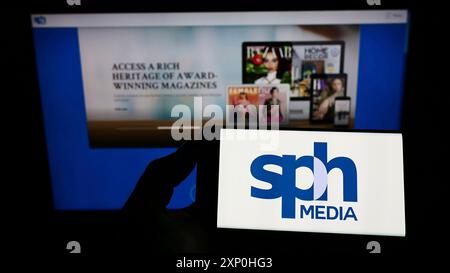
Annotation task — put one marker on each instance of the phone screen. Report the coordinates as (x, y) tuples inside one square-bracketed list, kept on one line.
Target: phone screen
[(342, 111)]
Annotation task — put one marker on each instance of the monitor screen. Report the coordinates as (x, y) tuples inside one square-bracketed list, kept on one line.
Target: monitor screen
[(113, 85)]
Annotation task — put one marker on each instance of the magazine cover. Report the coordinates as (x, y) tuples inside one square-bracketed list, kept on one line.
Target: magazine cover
[(271, 95), (325, 90), (267, 62), (310, 58), (242, 96)]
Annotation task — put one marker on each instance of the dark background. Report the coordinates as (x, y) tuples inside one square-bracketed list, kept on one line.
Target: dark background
[(33, 228)]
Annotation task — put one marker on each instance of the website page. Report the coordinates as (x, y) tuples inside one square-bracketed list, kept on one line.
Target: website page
[(114, 85)]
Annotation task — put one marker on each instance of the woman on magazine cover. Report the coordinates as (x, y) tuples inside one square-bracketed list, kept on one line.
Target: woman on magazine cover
[(271, 62), (327, 99), (271, 102)]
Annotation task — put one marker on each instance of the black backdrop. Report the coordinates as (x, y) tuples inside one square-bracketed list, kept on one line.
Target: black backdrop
[(32, 227)]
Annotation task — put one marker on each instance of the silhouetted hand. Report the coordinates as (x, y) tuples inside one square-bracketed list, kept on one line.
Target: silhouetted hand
[(152, 226)]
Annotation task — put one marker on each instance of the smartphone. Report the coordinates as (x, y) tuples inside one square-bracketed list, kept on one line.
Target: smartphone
[(342, 106)]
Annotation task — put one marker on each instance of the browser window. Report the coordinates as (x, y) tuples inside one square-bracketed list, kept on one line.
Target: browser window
[(112, 85)]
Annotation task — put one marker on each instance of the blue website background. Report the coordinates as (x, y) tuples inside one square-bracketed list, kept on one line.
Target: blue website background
[(103, 178)]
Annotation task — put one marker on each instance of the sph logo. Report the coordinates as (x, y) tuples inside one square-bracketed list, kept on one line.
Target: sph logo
[(284, 185)]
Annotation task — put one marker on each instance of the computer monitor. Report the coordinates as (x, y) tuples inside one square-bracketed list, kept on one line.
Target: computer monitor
[(110, 83)]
